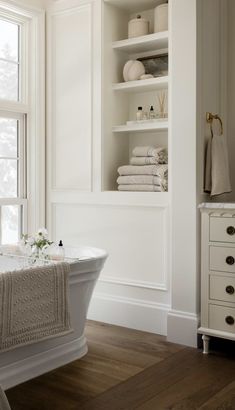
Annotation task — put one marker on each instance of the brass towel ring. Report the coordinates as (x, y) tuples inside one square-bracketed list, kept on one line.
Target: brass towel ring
[(210, 118)]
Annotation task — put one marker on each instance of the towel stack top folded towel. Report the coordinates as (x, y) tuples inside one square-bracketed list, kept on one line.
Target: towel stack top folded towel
[(149, 156)]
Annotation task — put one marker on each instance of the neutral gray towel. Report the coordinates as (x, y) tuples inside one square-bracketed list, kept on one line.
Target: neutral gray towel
[(217, 176), (33, 305), (143, 180), (142, 188), (147, 151), (149, 160), (4, 405), (139, 180), (149, 155), (157, 170)]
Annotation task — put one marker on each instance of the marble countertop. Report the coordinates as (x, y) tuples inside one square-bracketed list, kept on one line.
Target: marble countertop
[(217, 205)]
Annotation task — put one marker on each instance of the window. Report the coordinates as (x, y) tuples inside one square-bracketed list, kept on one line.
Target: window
[(13, 118), (9, 60), (22, 120)]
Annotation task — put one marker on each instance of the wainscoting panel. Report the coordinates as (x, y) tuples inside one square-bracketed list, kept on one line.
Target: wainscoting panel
[(70, 37), (135, 238)]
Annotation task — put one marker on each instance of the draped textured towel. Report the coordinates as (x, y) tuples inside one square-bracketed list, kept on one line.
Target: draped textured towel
[(217, 177), (33, 305), (4, 405)]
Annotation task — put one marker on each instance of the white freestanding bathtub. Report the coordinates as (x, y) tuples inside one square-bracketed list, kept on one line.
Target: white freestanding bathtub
[(24, 363)]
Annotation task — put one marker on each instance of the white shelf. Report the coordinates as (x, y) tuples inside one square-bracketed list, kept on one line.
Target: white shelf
[(134, 6), (151, 42), (151, 84), (138, 198), (146, 127)]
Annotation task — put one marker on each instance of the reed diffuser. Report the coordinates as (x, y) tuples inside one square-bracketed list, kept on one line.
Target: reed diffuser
[(162, 96)]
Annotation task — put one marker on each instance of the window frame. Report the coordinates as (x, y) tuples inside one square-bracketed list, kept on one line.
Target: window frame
[(30, 109)]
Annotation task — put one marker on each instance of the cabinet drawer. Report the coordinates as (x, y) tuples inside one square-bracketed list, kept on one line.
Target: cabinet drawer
[(222, 229), (222, 288), (222, 259), (222, 318)]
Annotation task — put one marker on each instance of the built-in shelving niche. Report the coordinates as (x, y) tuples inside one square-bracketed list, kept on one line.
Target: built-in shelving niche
[(120, 99)]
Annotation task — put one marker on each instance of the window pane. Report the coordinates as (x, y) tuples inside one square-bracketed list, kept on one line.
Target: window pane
[(9, 89), (8, 137), (9, 40), (8, 178), (10, 224)]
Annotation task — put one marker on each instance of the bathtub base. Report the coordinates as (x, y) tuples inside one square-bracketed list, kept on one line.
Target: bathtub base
[(38, 364)]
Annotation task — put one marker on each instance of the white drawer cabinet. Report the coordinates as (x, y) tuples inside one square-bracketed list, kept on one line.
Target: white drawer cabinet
[(217, 272)]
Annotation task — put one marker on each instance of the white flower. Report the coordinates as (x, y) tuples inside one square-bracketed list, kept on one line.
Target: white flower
[(42, 233)]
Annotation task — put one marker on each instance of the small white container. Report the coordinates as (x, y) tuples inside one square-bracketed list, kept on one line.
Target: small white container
[(138, 27), (139, 114), (161, 18)]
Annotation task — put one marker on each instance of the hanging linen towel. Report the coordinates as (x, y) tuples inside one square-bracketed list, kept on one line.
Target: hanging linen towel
[(4, 405), (33, 305), (142, 188), (217, 176), (159, 154)]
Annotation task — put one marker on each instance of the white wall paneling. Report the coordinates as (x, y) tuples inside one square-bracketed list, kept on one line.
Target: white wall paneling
[(133, 289), (71, 49), (125, 233), (128, 312)]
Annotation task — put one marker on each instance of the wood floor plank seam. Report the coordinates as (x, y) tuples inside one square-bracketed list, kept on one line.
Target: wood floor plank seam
[(130, 370), (139, 388)]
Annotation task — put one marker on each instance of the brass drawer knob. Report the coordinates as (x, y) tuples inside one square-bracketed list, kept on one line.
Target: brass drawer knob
[(230, 290), (230, 260), (231, 230), (229, 320)]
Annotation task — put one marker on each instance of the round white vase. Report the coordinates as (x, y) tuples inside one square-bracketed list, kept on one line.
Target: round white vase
[(133, 70)]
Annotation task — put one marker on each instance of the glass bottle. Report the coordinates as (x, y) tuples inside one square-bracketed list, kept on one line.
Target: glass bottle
[(152, 114), (139, 114)]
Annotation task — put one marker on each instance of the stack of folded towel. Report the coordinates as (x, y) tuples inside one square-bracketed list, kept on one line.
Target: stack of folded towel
[(148, 171)]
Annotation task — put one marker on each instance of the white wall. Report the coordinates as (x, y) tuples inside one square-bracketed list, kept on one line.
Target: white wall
[(231, 90), (198, 89), (31, 3), (182, 319)]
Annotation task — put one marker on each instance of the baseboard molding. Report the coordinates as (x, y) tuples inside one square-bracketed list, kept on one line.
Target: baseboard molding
[(182, 328), (132, 313), (23, 370)]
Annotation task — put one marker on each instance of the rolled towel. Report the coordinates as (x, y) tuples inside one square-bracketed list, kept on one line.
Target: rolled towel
[(138, 188), (161, 159), (148, 151), (156, 170), (143, 180)]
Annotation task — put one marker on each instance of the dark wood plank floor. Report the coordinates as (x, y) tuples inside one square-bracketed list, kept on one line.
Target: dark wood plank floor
[(127, 370)]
